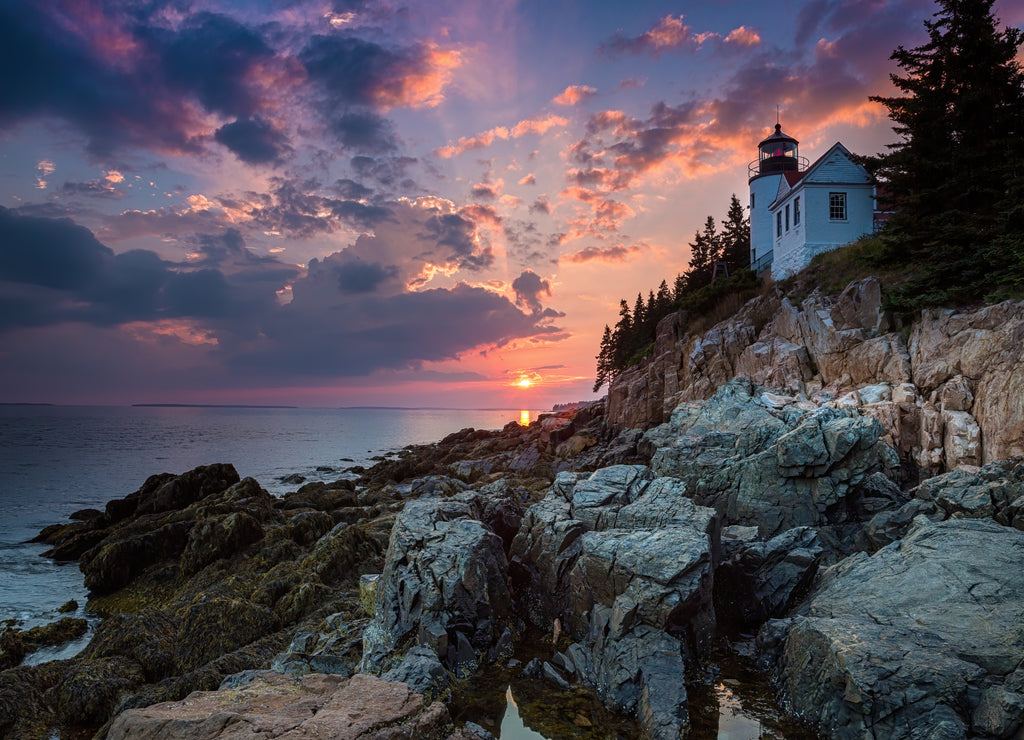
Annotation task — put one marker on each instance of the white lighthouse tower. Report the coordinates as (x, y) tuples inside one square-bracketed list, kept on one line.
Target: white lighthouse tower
[(777, 155)]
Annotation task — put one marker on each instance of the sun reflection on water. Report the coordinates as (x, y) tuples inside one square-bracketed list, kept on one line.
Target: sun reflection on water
[(524, 418)]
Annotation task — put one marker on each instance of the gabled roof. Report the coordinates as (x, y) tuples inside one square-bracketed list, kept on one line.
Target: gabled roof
[(793, 179)]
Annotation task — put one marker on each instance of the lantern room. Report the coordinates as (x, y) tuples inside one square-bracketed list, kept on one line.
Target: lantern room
[(778, 153)]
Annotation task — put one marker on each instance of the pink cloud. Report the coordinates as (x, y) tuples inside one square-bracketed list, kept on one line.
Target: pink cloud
[(669, 33), (536, 125), (574, 94)]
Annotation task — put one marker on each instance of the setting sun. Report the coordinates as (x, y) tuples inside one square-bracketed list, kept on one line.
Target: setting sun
[(525, 383)]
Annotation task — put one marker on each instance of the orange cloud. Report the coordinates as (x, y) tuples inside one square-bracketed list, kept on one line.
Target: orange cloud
[(528, 180), (617, 253), (422, 86), (669, 33), (536, 125), (574, 94), (744, 36)]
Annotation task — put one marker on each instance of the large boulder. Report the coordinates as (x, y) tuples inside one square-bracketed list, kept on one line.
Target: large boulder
[(773, 468), (923, 639), (443, 586), (276, 705), (626, 562)]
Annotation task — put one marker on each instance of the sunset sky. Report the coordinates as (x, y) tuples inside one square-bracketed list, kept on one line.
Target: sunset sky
[(385, 203)]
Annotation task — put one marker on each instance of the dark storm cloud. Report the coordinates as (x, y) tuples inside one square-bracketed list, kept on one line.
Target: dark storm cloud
[(459, 234), (529, 287), (297, 208), (348, 315), (388, 171), (364, 131), (210, 57), (54, 271), (145, 90), (53, 254), (253, 140), (351, 190), (44, 73), (388, 332), (360, 277)]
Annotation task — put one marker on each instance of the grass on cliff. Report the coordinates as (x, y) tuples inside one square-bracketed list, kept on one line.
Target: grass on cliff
[(830, 272)]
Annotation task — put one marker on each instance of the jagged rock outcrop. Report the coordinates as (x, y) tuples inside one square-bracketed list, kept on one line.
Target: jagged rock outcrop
[(923, 639), (444, 585), (625, 560), (773, 468), (952, 395)]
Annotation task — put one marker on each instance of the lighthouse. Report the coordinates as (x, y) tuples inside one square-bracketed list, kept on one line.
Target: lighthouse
[(799, 211), (778, 155)]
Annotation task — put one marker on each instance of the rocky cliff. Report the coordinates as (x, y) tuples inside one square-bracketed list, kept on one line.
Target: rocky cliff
[(948, 390), (758, 478)]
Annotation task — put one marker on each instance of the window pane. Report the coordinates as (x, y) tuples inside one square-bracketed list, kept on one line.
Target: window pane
[(837, 206)]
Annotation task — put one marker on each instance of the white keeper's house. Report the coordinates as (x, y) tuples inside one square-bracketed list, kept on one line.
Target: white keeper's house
[(799, 210)]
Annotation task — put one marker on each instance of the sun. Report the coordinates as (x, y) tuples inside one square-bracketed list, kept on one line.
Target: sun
[(525, 383)]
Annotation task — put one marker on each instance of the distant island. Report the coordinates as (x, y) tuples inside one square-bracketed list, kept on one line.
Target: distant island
[(207, 406)]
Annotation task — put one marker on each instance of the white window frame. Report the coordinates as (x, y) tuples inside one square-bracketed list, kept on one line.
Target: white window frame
[(837, 206)]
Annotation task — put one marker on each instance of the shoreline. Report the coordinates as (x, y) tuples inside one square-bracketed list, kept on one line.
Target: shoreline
[(630, 554)]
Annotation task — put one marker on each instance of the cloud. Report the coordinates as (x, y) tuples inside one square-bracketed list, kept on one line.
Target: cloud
[(613, 254), (535, 125), (744, 36), (575, 94), (253, 140), (529, 179), (214, 58), (55, 271), (668, 34), (364, 131), (351, 313), (362, 277), (529, 287), (541, 205), (356, 71), (123, 83)]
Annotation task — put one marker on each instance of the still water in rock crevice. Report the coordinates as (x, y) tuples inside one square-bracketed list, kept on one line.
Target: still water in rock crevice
[(730, 701)]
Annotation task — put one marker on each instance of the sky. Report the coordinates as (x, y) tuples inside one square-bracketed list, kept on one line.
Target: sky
[(361, 203)]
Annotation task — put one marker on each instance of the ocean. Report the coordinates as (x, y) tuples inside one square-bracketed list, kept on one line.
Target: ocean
[(55, 460)]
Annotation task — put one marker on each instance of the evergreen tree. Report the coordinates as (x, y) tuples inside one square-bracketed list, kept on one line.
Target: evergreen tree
[(621, 339), (604, 359), (663, 301), (705, 251), (679, 287), (960, 123), (735, 237)]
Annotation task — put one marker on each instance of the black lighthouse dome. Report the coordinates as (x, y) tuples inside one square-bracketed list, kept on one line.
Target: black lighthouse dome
[(778, 153)]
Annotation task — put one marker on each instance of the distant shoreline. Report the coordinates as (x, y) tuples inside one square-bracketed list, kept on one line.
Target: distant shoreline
[(207, 406)]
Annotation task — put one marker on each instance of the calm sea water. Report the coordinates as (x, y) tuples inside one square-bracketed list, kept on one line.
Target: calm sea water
[(55, 460)]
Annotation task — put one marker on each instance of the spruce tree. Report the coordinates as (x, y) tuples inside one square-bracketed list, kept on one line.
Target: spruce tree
[(704, 252), (735, 237), (960, 123), (621, 338), (604, 359)]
